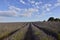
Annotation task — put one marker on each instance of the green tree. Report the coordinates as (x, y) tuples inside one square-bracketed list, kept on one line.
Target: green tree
[(57, 19), (51, 19)]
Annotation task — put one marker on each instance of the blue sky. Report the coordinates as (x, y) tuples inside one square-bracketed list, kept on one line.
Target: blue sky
[(28, 10)]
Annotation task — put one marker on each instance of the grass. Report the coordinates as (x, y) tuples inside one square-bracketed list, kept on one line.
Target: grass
[(5, 29), (19, 35), (41, 35), (58, 36), (3, 34)]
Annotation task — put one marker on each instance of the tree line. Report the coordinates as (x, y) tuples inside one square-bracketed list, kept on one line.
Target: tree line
[(53, 19)]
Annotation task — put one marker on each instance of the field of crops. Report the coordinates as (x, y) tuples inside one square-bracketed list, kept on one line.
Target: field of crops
[(30, 31)]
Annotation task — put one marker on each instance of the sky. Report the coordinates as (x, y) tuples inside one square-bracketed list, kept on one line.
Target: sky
[(28, 10)]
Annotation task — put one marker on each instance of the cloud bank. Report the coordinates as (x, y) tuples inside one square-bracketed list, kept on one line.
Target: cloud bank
[(14, 11), (18, 12)]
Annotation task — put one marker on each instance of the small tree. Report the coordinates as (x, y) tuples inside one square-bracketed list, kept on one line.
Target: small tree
[(57, 19), (44, 21), (51, 19)]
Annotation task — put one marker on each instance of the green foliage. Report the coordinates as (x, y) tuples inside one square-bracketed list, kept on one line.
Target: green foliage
[(53, 19), (57, 19), (58, 36)]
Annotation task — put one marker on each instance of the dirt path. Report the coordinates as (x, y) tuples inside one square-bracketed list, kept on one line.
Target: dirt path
[(29, 35)]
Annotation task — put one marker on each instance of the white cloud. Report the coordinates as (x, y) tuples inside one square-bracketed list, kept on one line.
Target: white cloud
[(17, 12), (55, 5), (12, 11), (47, 7), (7, 13), (38, 3), (29, 12), (14, 8), (41, 15), (31, 1), (58, 1), (38, 7), (22, 1)]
